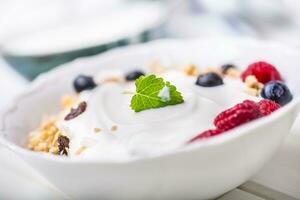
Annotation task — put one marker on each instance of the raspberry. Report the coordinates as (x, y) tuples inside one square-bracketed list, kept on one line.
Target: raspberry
[(263, 71), (206, 134), (237, 115), (266, 107)]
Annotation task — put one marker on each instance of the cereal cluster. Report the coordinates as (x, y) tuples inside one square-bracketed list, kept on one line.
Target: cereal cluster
[(45, 139), (253, 86), (193, 70)]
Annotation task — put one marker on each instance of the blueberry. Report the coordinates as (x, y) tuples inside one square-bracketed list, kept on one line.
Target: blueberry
[(277, 91), (83, 82), (209, 80), (226, 67), (131, 76)]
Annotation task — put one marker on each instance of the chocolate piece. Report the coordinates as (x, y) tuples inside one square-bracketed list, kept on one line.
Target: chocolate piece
[(63, 144), (77, 111)]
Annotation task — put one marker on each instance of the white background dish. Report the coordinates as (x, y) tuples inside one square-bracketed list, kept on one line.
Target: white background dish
[(78, 31), (163, 177)]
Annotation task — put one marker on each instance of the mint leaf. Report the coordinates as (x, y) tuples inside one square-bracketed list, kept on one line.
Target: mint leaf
[(154, 92)]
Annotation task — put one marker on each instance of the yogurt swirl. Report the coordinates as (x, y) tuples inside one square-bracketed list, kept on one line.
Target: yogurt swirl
[(127, 135)]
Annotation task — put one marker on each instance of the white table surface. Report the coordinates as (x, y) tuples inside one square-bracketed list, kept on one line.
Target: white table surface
[(278, 180)]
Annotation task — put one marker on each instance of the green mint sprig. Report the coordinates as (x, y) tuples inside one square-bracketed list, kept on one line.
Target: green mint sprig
[(154, 92)]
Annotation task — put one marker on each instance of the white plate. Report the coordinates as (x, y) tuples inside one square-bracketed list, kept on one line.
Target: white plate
[(125, 21)]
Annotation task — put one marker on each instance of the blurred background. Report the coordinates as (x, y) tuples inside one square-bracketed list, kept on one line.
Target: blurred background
[(38, 35)]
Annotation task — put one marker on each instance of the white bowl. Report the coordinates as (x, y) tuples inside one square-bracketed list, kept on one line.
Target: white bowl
[(204, 170)]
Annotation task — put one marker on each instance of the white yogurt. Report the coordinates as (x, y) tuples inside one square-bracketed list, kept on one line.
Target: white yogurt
[(150, 132)]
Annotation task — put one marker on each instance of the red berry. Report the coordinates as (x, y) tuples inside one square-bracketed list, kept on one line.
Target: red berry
[(263, 71), (206, 134), (237, 115), (266, 107)]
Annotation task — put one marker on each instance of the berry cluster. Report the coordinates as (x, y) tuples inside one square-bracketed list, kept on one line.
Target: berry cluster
[(268, 81), (274, 88), (239, 114), (84, 82)]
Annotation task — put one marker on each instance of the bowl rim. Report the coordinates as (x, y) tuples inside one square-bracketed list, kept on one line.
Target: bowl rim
[(217, 140)]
